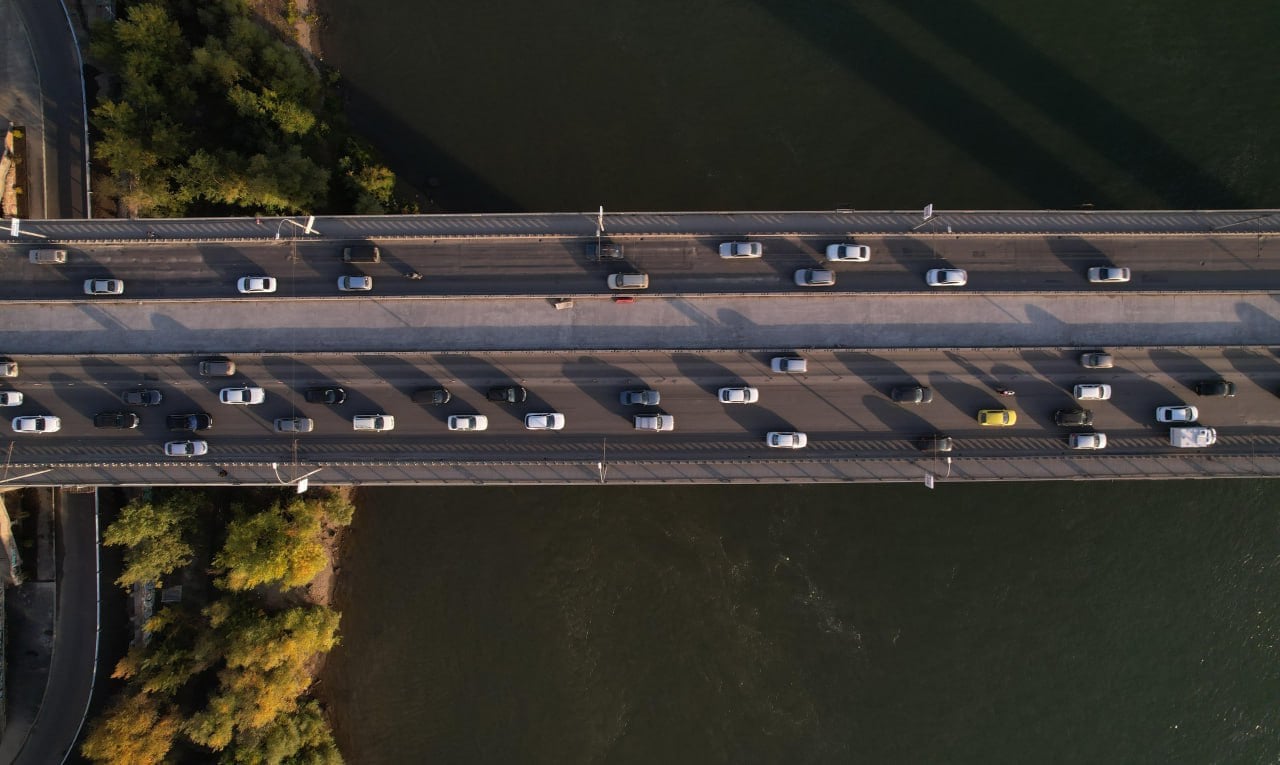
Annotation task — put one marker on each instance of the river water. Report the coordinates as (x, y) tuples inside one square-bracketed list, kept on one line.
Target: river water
[(1060, 622)]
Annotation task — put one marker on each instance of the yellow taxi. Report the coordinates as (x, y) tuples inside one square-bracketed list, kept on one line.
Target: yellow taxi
[(997, 418)]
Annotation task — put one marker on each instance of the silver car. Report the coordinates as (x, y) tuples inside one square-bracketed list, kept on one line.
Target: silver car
[(741, 250), (37, 423), (186, 448), (655, 423), (1087, 440), (640, 397), (8, 368), (1177, 413), (103, 287), (1096, 360), (375, 422), (628, 281), (1092, 392), (1108, 275), (789, 365), (242, 396), (355, 283), (946, 277), (295, 424), (815, 277)]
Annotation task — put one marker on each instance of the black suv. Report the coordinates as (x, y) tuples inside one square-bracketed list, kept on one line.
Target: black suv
[(911, 394), (191, 422), (1073, 418), (115, 420), (330, 396), (433, 396), (604, 251), (1220, 388), (510, 394)]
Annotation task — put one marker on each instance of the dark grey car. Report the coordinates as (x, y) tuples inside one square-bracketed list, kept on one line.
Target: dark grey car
[(911, 394)]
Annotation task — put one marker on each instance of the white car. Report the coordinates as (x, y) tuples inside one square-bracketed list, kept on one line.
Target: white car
[(848, 253), (37, 423), (249, 285), (946, 277), (544, 421), (1105, 275), (628, 281), (103, 287), (741, 250), (355, 283), (1092, 392), (789, 364), (739, 395), (1177, 413), (10, 398), (785, 440), (378, 422), (815, 277), (242, 396), (468, 422), (1087, 440), (186, 448)]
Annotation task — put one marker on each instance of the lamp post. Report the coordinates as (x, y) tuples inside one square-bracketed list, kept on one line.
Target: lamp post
[(307, 229), (300, 481)]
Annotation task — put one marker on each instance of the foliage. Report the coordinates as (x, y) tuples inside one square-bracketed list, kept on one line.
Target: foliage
[(372, 185), (212, 110), (139, 730), (181, 647), (279, 545), (300, 737), (153, 532), (265, 671)]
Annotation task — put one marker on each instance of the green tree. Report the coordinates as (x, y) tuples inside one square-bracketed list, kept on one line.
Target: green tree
[(139, 730), (279, 545), (153, 535), (301, 737)]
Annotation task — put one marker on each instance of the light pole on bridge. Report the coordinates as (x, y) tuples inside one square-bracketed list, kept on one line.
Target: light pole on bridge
[(307, 229)]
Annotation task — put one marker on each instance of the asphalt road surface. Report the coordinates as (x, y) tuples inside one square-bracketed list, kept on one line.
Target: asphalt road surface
[(555, 266), (841, 402)]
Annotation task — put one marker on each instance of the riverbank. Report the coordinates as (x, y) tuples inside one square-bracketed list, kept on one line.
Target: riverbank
[(297, 21)]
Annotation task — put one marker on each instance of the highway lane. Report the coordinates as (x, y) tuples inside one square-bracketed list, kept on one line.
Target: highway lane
[(554, 266), (842, 402)]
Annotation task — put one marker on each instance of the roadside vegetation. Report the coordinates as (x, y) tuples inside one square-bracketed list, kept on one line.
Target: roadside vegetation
[(211, 113), (224, 677)]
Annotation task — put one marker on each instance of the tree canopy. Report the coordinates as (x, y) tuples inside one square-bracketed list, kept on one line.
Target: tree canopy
[(154, 535)]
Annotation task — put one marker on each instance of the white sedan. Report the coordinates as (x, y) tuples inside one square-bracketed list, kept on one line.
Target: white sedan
[(375, 422), (37, 423), (251, 285), (946, 277), (242, 396), (1087, 440), (103, 287), (1177, 413), (10, 398), (1105, 275), (786, 440), (468, 422), (739, 395), (1092, 392), (544, 421), (848, 253), (741, 250), (186, 448)]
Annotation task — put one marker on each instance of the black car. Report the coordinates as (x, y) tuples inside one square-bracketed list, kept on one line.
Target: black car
[(116, 420), (604, 251), (935, 443), (1073, 418), (1220, 388), (191, 422), (911, 394), (330, 396), (432, 396), (142, 397), (510, 394)]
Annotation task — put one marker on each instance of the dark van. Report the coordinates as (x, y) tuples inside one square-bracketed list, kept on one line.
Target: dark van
[(361, 254)]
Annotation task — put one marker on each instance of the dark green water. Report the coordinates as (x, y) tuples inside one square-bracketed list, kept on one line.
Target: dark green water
[(1066, 622)]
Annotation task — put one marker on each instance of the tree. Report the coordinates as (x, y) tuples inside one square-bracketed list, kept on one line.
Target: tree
[(302, 736), (279, 545), (153, 533), (139, 730)]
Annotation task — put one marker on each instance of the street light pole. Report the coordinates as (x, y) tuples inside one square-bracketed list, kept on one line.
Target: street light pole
[(307, 229)]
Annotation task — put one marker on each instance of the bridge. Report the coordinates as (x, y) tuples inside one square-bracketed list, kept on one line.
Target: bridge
[(1200, 306)]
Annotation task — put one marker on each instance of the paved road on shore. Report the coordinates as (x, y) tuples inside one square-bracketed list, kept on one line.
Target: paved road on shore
[(684, 265)]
